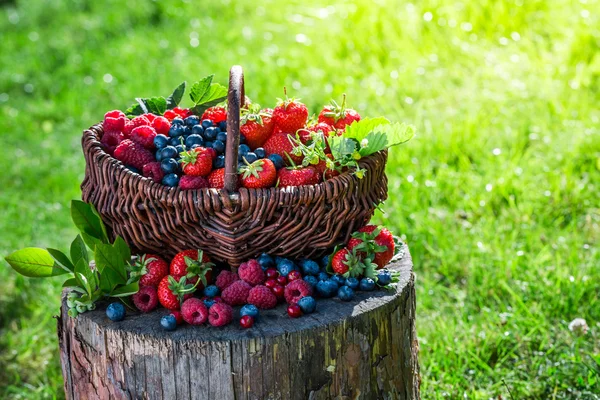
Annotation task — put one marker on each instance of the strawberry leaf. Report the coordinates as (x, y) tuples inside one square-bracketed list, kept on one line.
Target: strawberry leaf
[(175, 98), (341, 146), (206, 94), (374, 142), (156, 105), (359, 130), (397, 133)]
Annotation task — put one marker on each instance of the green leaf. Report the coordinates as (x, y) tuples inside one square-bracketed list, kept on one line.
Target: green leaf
[(206, 94), (71, 283), (375, 141), (125, 290), (359, 130), (156, 105), (86, 277), (34, 263), (79, 251), (397, 133), (111, 261), (200, 88), (134, 109), (175, 98), (341, 146), (62, 260), (89, 223)]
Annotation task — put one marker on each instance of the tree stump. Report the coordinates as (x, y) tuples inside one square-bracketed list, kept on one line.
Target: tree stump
[(363, 349)]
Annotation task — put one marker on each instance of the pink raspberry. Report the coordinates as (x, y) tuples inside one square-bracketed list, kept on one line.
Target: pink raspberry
[(170, 115), (262, 297), (236, 294), (295, 290), (220, 314), (161, 125), (225, 279), (144, 135), (133, 154), (146, 299), (110, 140), (149, 116), (194, 311), (252, 273), (140, 120), (153, 171), (114, 121), (188, 182)]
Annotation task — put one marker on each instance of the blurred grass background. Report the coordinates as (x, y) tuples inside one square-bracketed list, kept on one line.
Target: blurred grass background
[(498, 195)]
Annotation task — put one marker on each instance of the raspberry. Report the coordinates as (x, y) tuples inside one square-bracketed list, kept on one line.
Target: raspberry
[(188, 182), (236, 294), (153, 171), (133, 154), (150, 117), (161, 125), (295, 290), (215, 114), (170, 115), (144, 135), (194, 311), (220, 314), (140, 120), (114, 121), (110, 140), (182, 112), (251, 272), (146, 299), (262, 297), (225, 279), (178, 317)]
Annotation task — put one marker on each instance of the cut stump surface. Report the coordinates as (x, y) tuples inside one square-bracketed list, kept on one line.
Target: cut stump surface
[(363, 349)]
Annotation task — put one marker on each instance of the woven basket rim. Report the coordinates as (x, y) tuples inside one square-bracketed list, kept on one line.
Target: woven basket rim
[(234, 197)]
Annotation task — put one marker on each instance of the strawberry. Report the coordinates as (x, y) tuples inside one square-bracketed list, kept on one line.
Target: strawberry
[(338, 116), (259, 174), (256, 128), (150, 268), (282, 145), (192, 264), (216, 179), (324, 168), (348, 263), (290, 115), (133, 154), (171, 293), (215, 114), (298, 176), (197, 161), (375, 242)]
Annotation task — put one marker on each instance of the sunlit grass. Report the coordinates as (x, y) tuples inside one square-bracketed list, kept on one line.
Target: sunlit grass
[(497, 195)]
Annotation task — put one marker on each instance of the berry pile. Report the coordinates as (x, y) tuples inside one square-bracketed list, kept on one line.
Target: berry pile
[(191, 289)]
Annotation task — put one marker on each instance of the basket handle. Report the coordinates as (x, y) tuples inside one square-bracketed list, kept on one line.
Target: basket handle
[(235, 101)]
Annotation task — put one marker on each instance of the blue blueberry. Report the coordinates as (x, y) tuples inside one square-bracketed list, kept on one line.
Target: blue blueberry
[(219, 162), (174, 141), (188, 131), (211, 133), (311, 280), (208, 144), (223, 126), (285, 267), (260, 152), (168, 152), (266, 261), (243, 150), (324, 261), (333, 282), (249, 309), (307, 304), (242, 139), (222, 136), (169, 165), (345, 293), (207, 123), (208, 302), (176, 130), (219, 146), (250, 157), (309, 267), (197, 130), (170, 180), (160, 141), (192, 120), (339, 279), (211, 291), (384, 277), (367, 284), (168, 322), (158, 155), (277, 161), (352, 283), (115, 312), (192, 140), (180, 149), (177, 121), (326, 288), (323, 276)]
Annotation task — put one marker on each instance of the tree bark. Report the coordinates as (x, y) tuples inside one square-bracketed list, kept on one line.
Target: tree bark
[(363, 349)]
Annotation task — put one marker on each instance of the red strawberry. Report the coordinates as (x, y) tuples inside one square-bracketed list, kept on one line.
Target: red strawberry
[(374, 241), (146, 299), (133, 154), (114, 121), (197, 161), (325, 172), (110, 140), (215, 114), (153, 171), (348, 263), (298, 176), (281, 144), (259, 174), (192, 264), (216, 179), (338, 116), (188, 182), (140, 120), (144, 135), (151, 269), (256, 128), (290, 115), (161, 125), (172, 292)]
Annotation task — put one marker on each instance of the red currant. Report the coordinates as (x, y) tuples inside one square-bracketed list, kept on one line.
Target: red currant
[(294, 311), (282, 280), (293, 275), (278, 291), (271, 283), (247, 321), (272, 273)]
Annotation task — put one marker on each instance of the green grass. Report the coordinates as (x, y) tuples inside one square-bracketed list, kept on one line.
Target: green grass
[(497, 195)]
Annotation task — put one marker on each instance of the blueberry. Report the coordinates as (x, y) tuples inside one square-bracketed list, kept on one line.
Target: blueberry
[(169, 165), (211, 291), (197, 130), (340, 280), (208, 302), (188, 131), (223, 126), (352, 283), (260, 152), (249, 309), (333, 282), (311, 280), (277, 161), (133, 169), (222, 136), (345, 293), (193, 139), (168, 322), (208, 144), (324, 261), (326, 288), (250, 157), (160, 141), (285, 267), (323, 276), (219, 162), (242, 139), (176, 130), (180, 149), (177, 121), (219, 146), (309, 267), (115, 312), (207, 123), (171, 180), (243, 150), (192, 120), (266, 261), (158, 155), (174, 141), (168, 152), (307, 304), (384, 277), (210, 133), (367, 284)]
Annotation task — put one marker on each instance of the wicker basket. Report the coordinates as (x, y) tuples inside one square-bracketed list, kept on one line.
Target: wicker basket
[(233, 224)]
